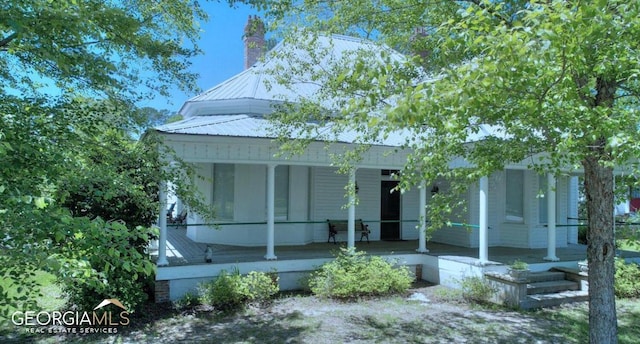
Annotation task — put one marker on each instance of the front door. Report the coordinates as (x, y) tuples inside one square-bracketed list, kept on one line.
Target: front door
[(389, 211)]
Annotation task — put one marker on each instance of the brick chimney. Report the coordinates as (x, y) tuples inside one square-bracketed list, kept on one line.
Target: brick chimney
[(254, 43)]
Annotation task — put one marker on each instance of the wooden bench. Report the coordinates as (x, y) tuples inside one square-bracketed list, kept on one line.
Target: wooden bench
[(336, 226)]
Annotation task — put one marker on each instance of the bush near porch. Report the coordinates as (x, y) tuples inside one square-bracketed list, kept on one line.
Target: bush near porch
[(231, 291), (627, 280), (354, 274)]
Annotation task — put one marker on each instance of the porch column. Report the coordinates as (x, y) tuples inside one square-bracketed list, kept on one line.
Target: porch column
[(483, 221), (351, 223), (271, 196), (422, 241), (162, 223), (551, 219)]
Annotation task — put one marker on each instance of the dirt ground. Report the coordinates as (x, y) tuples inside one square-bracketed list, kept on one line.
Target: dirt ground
[(427, 314)]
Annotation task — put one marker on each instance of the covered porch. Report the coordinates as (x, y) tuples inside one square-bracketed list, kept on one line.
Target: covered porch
[(443, 264), (183, 251)]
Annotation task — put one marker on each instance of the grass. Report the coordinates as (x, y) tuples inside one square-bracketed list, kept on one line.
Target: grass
[(51, 298), (574, 320), (51, 293)]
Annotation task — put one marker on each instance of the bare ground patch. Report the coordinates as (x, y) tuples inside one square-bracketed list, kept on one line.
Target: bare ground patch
[(427, 314)]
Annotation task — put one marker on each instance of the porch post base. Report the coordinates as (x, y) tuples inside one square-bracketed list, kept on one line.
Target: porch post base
[(270, 257), (482, 263), (422, 250), (162, 262), (551, 258)]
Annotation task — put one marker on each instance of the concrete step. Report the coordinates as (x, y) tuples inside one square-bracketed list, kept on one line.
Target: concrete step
[(555, 299), (545, 276), (551, 287)]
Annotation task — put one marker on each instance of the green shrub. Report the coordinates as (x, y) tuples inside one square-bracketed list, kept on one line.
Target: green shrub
[(230, 291), (108, 262), (188, 300), (261, 287), (627, 280), (476, 289), (354, 274)]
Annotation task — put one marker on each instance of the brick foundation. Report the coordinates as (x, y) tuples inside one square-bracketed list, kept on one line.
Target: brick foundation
[(162, 292), (419, 272)]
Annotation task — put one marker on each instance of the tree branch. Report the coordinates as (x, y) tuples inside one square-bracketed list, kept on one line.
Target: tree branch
[(5, 41), (630, 92), (557, 81)]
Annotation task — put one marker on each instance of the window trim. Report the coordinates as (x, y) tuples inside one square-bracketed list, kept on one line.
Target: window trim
[(219, 215), (508, 217)]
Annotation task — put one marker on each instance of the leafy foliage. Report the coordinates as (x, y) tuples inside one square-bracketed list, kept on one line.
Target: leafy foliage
[(476, 289), (627, 283), (354, 274), (551, 85), (230, 291), (519, 265), (78, 194), (113, 264), (89, 46), (188, 300)]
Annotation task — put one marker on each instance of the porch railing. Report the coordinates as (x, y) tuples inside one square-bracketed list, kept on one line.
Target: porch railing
[(453, 224)]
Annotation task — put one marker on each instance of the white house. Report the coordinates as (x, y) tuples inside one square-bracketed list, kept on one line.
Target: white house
[(267, 200)]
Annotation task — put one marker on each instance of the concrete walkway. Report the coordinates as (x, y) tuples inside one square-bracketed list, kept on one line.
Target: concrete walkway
[(183, 251)]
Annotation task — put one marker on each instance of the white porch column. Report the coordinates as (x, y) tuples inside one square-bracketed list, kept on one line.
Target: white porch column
[(271, 195), (422, 241), (483, 221), (551, 219), (351, 223), (162, 223)]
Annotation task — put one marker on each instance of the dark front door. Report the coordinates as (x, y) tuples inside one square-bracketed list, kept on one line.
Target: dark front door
[(389, 211)]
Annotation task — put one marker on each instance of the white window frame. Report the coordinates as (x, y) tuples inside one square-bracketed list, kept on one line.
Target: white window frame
[(542, 194), (226, 183), (513, 211), (282, 191)]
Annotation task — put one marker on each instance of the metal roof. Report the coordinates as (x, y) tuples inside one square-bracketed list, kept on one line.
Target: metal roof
[(235, 107), (243, 125), (256, 89)]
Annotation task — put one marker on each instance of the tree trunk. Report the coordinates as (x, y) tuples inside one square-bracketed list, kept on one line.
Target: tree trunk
[(600, 251)]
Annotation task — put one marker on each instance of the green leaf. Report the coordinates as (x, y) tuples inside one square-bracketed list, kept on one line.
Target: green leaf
[(40, 203)]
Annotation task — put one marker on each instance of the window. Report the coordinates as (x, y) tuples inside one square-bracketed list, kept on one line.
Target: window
[(282, 192), (515, 196), (223, 190), (542, 199)]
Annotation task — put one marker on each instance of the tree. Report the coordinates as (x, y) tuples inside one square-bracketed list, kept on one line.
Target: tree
[(125, 49), (556, 80), (148, 117), (71, 73)]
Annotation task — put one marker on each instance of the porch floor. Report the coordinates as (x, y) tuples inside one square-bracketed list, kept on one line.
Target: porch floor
[(183, 251)]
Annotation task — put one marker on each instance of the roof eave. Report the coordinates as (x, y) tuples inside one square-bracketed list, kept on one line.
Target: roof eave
[(228, 106)]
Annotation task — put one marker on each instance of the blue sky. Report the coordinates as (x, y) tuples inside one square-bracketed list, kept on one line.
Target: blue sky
[(221, 42)]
